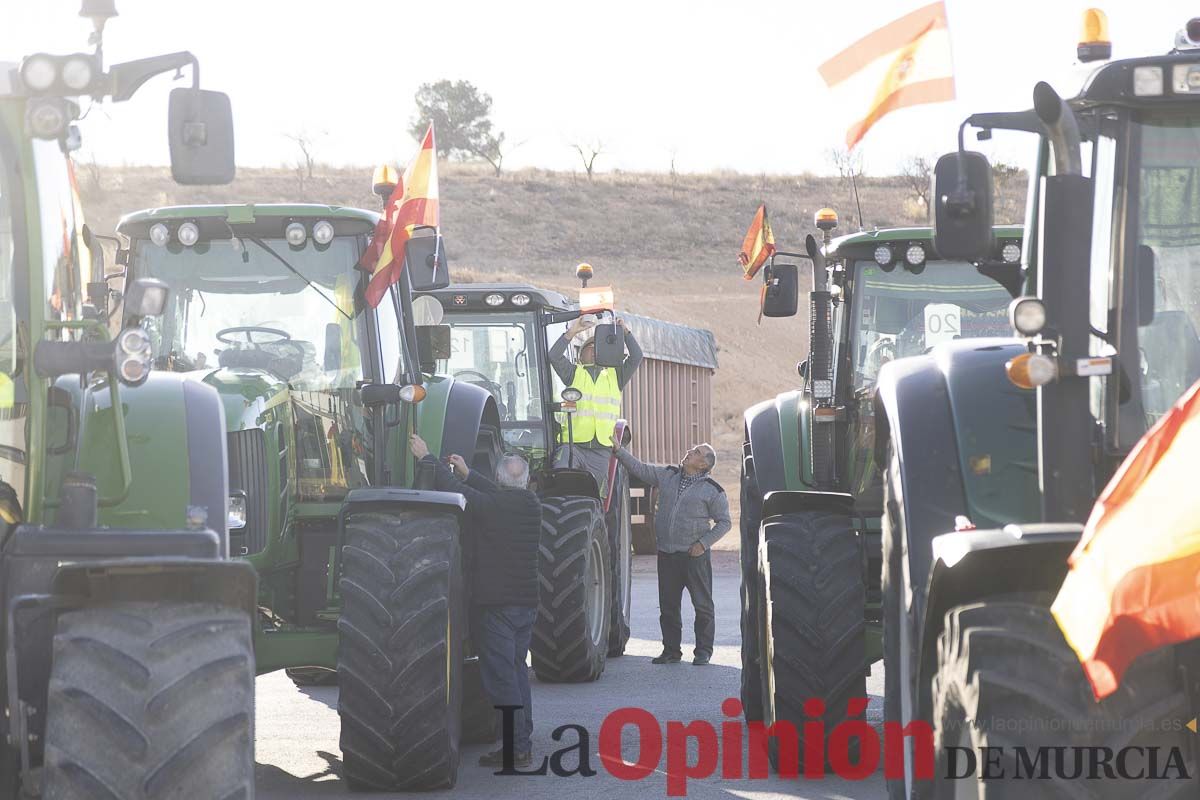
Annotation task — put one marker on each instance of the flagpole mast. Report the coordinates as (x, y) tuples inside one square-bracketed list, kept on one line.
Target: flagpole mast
[(862, 223)]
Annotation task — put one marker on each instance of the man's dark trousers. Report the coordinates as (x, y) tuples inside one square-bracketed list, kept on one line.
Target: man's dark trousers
[(503, 647), (676, 572)]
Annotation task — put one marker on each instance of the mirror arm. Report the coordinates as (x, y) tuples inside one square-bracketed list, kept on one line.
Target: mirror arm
[(127, 77), (560, 316)]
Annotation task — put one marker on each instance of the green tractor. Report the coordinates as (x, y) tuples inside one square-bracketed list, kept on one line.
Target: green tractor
[(360, 564), (811, 494), (129, 668), (993, 453), (498, 339)]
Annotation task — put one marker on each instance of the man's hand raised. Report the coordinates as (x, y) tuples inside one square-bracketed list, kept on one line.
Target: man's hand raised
[(459, 466)]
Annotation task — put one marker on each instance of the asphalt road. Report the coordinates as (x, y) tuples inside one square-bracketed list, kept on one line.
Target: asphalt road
[(297, 730)]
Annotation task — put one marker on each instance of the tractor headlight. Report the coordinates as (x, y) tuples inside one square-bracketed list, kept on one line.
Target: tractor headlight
[(39, 72), (1147, 81), (883, 255), (1030, 370), (1027, 315), (1011, 253), (47, 118), (133, 356), (822, 389), (494, 299), (188, 234), (323, 232), (159, 234), (78, 71), (295, 234), (914, 255), (521, 299), (237, 511), (572, 395)]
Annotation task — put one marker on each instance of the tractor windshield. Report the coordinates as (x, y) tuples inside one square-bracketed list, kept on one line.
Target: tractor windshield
[(897, 314), (244, 307), (499, 353), (1169, 224)]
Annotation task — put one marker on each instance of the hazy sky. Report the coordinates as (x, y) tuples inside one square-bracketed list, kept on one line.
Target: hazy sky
[(723, 85)]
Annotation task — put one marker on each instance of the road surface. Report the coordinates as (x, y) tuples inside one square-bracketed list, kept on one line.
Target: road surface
[(297, 730)]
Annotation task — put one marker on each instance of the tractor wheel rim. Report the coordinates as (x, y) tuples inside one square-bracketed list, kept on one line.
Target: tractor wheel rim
[(595, 592)]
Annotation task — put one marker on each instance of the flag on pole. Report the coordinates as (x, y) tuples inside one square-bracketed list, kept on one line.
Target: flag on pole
[(758, 246), (1133, 582), (905, 63), (413, 203)]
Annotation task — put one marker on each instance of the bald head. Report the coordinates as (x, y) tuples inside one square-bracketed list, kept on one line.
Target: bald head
[(513, 472)]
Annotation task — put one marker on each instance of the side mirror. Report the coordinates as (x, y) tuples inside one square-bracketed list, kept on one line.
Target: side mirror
[(802, 368), (610, 345), (1145, 285), (145, 297), (433, 344), (425, 258), (200, 132), (962, 218), (783, 290), (333, 347)]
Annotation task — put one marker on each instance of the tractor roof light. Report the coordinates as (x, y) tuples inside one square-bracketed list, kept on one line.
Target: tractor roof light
[(572, 395), (914, 255), (1147, 81), (822, 389), (412, 393), (188, 234), (39, 72), (1094, 41), (494, 299), (520, 299), (584, 272), (1185, 79), (323, 232), (826, 219), (160, 234), (1030, 370), (384, 180), (883, 255), (78, 72), (1010, 253), (295, 234), (1027, 315)]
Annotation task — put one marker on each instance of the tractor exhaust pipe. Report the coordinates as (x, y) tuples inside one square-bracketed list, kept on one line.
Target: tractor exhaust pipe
[(1061, 129)]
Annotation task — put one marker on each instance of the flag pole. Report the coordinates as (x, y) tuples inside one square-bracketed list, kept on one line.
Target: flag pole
[(862, 223)]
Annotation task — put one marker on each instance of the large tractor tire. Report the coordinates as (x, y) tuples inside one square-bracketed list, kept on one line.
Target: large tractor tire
[(812, 632), (1006, 678), (894, 616), (748, 523), (150, 700), (400, 653), (570, 634), (620, 544)]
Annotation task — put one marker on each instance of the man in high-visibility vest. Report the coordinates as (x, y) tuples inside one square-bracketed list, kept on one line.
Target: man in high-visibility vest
[(587, 442)]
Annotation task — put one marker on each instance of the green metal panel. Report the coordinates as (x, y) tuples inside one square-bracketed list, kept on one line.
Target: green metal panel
[(294, 648), (794, 438)]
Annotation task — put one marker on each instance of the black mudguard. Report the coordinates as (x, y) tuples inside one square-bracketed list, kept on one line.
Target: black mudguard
[(568, 483), (766, 447), (467, 409)]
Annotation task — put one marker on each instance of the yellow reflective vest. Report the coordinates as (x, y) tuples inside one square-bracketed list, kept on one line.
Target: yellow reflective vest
[(596, 412)]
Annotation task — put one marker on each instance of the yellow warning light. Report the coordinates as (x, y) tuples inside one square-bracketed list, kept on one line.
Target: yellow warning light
[(826, 219), (384, 180), (1094, 43), (1031, 370), (584, 272)]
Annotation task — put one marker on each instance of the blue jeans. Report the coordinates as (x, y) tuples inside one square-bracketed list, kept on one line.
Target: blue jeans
[(503, 646)]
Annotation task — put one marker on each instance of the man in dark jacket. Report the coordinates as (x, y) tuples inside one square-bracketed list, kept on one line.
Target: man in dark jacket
[(505, 521), (692, 516)]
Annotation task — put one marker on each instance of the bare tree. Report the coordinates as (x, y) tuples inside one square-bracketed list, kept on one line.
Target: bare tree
[(588, 153), (307, 142), (495, 150), (916, 172), (849, 166)]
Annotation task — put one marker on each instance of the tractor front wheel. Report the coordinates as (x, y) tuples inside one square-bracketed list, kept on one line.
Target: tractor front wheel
[(151, 700), (400, 651), (570, 634)]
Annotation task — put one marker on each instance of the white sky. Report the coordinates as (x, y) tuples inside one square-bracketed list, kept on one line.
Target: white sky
[(725, 85)]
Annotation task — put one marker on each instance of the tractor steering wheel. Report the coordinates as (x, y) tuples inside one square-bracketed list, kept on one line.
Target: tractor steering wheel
[(225, 335)]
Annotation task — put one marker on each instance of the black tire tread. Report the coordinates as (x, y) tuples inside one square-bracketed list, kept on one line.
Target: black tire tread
[(401, 574), (151, 700), (561, 647)]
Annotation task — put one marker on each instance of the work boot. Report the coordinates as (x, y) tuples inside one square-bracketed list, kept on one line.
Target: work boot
[(667, 658), (496, 758), (701, 660)]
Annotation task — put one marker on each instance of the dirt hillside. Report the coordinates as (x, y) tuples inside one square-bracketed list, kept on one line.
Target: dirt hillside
[(667, 244)]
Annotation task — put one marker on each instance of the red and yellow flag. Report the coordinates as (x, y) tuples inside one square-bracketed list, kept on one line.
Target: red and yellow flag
[(758, 246), (413, 203), (1134, 583), (905, 63)]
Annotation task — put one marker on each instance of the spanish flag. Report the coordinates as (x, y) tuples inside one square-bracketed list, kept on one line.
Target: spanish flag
[(1134, 584), (905, 63), (758, 246), (413, 203)]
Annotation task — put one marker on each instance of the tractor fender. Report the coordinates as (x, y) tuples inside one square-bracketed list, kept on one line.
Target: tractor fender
[(777, 432), (777, 503), (186, 580), (970, 566), (966, 443), (452, 413), (568, 483)]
